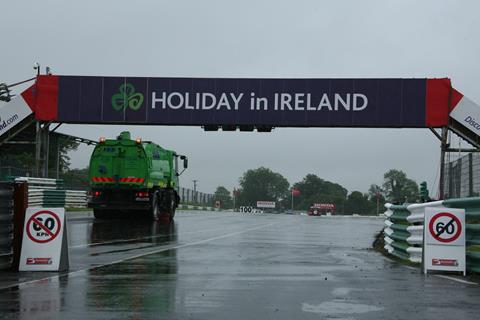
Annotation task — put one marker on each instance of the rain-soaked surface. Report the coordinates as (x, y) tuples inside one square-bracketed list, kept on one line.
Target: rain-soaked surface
[(232, 266)]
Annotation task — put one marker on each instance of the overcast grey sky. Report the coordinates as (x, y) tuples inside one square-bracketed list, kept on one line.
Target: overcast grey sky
[(284, 39)]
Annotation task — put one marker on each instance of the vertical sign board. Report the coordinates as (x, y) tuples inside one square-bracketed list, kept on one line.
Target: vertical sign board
[(444, 234), (44, 245)]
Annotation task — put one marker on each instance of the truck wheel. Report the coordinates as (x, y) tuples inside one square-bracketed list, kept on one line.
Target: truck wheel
[(154, 210), (174, 205)]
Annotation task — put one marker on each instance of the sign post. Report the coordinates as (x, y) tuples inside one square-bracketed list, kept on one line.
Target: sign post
[(444, 240), (44, 245)]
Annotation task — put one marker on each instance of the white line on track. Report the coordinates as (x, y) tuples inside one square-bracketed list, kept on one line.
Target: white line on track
[(78, 272), (137, 239), (436, 275), (455, 279)]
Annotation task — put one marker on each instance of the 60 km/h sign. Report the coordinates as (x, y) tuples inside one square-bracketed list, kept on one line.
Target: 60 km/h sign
[(444, 239), (43, 226), (445, 227), (44, 240)]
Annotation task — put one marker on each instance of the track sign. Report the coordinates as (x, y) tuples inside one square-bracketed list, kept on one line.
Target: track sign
[(266, 204), (444, 234), (44, 245)]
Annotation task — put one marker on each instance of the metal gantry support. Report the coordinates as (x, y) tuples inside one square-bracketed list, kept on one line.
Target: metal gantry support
[(41, 148), (443, 150)]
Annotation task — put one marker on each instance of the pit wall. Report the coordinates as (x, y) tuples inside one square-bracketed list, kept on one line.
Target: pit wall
[(403, 232)]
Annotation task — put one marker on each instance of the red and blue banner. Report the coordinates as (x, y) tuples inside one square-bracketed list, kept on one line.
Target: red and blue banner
[(384, 103)]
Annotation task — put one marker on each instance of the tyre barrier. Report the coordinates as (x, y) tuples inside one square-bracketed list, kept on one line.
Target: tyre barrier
[(6, 224), (42, 183), (403, 232), (57, 198), (51, 193)]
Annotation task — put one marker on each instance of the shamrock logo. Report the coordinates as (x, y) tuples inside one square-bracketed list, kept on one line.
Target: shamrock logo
[(127, 98)]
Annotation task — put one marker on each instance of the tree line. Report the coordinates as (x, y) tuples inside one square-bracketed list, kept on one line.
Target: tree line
[(264, 184)]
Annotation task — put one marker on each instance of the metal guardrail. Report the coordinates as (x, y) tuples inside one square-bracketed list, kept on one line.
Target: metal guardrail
[(399, 232), (472, 217), (403, 233), (6, 224)]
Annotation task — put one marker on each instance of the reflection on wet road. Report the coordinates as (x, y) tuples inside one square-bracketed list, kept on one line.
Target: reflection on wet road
[(232, 266)]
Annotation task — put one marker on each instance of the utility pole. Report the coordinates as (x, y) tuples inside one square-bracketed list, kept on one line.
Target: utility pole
[(292, 198), (195, 190)]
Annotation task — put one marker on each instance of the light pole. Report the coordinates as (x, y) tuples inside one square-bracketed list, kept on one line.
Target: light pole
[(292, 198), (195, 190)]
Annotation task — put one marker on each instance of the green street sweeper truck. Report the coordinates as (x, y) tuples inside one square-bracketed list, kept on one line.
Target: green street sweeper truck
[(134, 177)]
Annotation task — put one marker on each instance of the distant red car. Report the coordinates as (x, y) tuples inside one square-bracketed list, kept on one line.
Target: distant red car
[(322, 209)]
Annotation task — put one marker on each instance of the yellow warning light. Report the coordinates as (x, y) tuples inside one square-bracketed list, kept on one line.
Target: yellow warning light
[(138, 140), (102, 140)]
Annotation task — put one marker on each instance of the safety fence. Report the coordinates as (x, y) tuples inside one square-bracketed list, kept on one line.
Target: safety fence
[(192, 207), (6, 224), (462, 177), (194, 197), (403, 233)]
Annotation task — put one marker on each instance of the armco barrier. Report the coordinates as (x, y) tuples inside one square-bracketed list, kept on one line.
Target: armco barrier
[(6, 224), (398, 233), (472, 217), (404, 229)]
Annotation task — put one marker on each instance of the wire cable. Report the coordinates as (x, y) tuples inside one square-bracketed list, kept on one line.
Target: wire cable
[(21, 82)]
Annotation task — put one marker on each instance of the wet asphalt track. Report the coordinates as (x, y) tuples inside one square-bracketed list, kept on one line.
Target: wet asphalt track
[(232, 266)]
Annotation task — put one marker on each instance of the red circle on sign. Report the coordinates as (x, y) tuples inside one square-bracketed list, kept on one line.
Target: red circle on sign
[(33, 219), (455, 220)]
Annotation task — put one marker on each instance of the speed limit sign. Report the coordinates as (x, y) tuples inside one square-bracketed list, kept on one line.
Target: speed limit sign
[(44, 243), (444, 248), (445, 227)]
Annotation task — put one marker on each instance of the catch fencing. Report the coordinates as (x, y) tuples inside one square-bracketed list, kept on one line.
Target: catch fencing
[(6, 224), (189, 196), (462, 177), (403, 233)]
